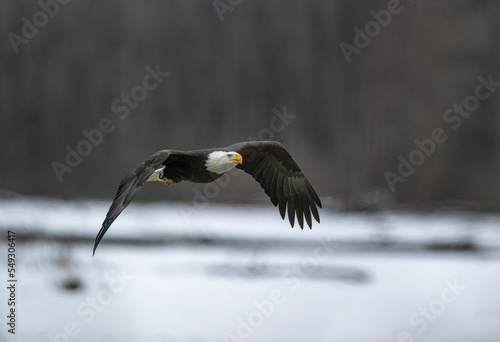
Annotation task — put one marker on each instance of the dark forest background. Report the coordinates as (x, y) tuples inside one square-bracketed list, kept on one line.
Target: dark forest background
[(228, 77)]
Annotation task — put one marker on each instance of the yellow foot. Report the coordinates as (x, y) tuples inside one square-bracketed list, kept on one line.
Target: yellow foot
[(168, 181)]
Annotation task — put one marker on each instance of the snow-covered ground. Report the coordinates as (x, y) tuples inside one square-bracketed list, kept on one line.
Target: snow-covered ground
[(174, 272)]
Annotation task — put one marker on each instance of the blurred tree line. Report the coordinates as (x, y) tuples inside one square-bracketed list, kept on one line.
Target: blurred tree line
[(231, 65)]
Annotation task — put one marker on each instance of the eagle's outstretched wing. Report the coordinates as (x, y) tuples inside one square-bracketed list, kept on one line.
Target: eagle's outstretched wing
[(128, 188), (273, 167)]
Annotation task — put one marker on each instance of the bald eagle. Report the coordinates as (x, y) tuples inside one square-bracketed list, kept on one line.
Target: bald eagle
[(268, 162)]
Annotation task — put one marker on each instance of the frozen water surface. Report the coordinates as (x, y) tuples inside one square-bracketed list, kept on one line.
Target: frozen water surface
[(174, 272)]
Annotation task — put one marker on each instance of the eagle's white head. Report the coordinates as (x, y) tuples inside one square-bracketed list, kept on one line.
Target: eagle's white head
[(221, 161)]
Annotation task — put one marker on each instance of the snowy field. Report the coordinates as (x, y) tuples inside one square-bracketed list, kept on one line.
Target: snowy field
[(170, 272)]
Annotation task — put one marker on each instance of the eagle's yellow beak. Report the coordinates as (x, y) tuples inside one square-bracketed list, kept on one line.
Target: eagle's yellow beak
[(237, 158)]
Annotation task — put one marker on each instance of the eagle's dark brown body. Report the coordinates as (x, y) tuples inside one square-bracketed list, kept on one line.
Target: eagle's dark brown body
[(184, 165)]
